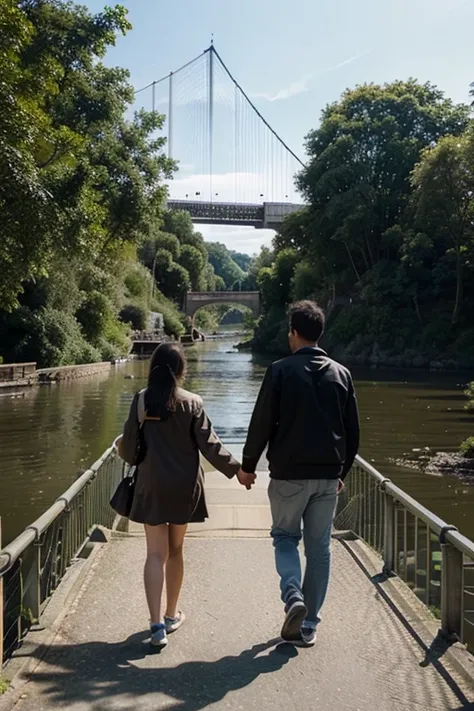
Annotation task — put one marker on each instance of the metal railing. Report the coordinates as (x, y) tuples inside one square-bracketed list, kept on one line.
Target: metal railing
[(429, 555), (32, 566)]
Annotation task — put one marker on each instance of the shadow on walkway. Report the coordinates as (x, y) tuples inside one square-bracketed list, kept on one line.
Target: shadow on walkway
[(103, 675)]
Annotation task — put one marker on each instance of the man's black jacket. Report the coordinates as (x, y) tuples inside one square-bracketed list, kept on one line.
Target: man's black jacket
[(306, 412)]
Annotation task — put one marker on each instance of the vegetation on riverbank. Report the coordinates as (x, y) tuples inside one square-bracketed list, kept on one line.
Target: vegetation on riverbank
[(459, 465), (469, 393), (82, 223), (387, 235)]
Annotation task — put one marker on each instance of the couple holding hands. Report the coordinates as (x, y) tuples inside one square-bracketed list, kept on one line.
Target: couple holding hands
[(306, 414)]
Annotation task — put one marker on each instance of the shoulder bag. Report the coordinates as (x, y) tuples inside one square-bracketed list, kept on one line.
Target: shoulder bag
[(122, 499)]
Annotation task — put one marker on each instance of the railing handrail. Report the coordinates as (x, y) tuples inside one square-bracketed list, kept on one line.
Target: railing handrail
[(10, 554), (437, 524)]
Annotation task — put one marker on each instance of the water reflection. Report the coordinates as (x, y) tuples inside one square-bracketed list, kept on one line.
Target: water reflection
[(50, 434)]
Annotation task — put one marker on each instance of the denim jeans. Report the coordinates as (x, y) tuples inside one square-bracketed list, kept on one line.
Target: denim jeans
[(311, 502)]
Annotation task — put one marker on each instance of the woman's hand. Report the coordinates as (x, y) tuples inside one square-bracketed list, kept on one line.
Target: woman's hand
[(246, 479)]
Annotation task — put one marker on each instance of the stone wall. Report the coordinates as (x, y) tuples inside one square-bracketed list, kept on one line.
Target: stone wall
[(71, 372)]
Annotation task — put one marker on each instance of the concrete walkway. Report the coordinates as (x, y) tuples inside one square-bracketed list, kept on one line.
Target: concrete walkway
[(227, 656)]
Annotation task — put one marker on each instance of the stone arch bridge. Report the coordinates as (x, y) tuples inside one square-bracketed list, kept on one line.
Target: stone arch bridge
[(196, 300)]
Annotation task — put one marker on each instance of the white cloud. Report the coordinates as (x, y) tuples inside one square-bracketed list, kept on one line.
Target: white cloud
[(297, 87), (303, 85), (346, 62)]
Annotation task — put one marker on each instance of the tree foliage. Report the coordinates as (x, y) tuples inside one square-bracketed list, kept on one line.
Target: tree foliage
[(386, 235), (81, 185), (224, 266)]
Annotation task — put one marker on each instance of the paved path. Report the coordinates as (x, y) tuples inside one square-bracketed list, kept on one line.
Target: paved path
[(227, 656)]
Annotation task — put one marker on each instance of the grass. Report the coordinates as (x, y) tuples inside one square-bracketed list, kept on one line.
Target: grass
[(469, 392), (4, 684), (467, 448)]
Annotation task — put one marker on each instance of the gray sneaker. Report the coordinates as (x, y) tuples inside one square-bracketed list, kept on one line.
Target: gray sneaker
[(308, 636), (158, 636), (174, 623), (296, 612)]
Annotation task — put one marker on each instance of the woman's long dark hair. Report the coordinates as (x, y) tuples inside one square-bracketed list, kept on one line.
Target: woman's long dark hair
[(167, 367)]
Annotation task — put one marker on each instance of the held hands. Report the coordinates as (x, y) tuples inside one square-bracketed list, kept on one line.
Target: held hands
[(246, 479)]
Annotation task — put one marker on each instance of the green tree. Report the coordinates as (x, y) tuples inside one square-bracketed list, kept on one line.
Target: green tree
[(265, 258), (244, 261), (224, 266), (192, 259), (444, 191), (25, 206), (179, 223), (90, 179), (360, 159)]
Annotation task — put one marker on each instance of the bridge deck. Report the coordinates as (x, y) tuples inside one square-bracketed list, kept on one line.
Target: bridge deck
[(227, 655)]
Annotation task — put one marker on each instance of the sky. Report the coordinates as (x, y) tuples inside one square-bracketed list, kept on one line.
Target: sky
[(293, 58)]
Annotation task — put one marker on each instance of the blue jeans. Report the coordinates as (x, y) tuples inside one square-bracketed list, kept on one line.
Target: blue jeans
[(311, 502)]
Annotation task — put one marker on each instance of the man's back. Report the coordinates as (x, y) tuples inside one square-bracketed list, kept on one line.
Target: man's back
[(307, 413)]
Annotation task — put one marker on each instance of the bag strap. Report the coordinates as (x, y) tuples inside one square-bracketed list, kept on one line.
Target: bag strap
[(141, 412)]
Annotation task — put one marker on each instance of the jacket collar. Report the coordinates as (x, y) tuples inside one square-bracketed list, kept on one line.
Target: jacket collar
[(309, 350)]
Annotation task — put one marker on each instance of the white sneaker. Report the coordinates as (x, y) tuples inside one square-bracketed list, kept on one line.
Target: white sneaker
[(158, 636), (174, 623)]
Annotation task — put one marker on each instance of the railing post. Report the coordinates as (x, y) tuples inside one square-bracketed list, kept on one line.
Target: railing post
[(389, 535), (31, 568), (452, 591), (2, 612)]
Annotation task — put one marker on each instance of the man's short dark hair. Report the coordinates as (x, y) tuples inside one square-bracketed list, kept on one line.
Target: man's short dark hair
[(307, 319)]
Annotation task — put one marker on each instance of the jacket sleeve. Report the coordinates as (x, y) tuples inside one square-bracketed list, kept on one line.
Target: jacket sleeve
[(211, 446), (129, 443), (352, 428), (264, 420)]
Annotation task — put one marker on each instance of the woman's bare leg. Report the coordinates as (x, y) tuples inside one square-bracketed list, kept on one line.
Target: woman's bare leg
[(157, 555), (174, 568)]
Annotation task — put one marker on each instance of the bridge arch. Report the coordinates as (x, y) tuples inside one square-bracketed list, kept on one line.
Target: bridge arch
[(196, 300)]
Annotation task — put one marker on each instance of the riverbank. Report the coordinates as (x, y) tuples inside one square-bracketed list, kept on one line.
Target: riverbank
[(44, 376), (71, 372), (452, 465), (373, 357)]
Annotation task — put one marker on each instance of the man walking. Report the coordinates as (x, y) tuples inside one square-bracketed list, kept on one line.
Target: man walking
[(306, 413)]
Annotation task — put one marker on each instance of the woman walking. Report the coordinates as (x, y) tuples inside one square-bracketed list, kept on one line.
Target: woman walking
[(173, 428)]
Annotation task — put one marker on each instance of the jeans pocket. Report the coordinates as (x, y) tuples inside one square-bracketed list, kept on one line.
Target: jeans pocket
[(286, 489)]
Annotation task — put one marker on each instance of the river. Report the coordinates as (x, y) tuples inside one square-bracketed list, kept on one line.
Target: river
[(49, 434)]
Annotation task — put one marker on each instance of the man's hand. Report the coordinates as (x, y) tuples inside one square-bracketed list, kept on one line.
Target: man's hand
[(246, 479), (340, 486)]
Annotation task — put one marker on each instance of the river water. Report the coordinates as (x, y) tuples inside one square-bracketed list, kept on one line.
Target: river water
[(49, 434)]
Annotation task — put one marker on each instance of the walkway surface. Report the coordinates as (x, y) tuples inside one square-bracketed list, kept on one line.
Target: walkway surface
[(227, 655)]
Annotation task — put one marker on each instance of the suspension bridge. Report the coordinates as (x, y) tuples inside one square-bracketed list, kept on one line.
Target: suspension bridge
[(233, 166)]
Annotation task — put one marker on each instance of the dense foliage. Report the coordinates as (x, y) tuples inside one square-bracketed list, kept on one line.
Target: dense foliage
[(467, 448), (82, 225), (469, 393), (225, 266), (80, 185), (387, 238)]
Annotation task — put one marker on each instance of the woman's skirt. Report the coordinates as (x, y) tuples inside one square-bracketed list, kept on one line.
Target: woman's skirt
[(155, 504)]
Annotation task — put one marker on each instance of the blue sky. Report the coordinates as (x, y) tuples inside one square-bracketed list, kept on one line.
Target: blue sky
[(295, 57)]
